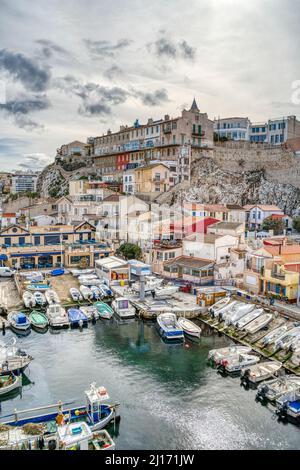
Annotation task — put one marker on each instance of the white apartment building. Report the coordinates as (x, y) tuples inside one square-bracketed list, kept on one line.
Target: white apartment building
[(129, 181), (210, 247), (23, 182), (256, 214), (233, 128)]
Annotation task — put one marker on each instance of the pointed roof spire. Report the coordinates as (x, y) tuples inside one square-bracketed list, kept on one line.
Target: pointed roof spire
[(194, 107)]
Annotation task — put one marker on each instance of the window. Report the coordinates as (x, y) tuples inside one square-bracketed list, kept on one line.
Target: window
[(7, 241), (21, 240), (37, 240)]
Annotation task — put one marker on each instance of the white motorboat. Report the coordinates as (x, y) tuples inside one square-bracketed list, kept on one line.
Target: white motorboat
[(75, 294), (151, 283), (28, 299), (260, 372), (90, 312), (295, 359), (273, 389), (285, 341), (19, 322), (242, 322), (165, 291), (96, 292), (229, 309), (40, 299), (52, 297), (13, 359), (91, 282), (82, 272), (57, 316), (189, 327), (86, 293), (9, 382), (122, 308), (238, 362), (258, 323), (239, 313), (169, 327), (87, 276), (274, 335), (214, 309), (217, 355)]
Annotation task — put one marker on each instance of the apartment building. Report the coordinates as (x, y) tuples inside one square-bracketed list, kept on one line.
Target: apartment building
[(256, 214), (24, 182), (233, 128), (152, 180), (73, 151)]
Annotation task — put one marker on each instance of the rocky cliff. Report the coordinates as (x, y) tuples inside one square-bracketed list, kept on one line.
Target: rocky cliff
[(52, 182)]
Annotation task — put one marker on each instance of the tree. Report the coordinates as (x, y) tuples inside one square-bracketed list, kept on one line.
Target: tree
[(130, 251), (296, 223), (277, 225)]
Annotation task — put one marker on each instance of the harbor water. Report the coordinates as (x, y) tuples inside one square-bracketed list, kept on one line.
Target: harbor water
[(169, 397)]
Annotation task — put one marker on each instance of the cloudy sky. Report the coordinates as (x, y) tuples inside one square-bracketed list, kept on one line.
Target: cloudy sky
[(72, 69)]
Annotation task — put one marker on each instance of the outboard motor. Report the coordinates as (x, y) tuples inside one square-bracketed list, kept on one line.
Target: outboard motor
[(245, 377), (21, 352), (281, 411), (261, 393)]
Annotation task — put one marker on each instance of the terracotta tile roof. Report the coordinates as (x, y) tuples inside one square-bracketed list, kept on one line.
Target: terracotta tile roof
[(9, 214), (285, 250)]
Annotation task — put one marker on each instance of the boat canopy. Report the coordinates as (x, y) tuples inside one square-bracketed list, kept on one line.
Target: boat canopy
[(96, 394)]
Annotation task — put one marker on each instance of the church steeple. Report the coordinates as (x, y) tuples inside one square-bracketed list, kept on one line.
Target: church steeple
[(194, 107)]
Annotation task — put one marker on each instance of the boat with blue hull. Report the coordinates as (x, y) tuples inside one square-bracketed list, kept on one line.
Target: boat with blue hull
[(77, 317), (95, 413), (168, 327)]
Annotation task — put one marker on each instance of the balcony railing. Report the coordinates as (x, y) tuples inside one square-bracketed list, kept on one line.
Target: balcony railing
[(278, 275)]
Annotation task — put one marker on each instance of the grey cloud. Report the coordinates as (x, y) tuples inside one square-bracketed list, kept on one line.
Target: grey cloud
[(24, 69), (154, 98), (20, 107), (188, 52), (105, 48), (113, 72), (48, 48), (33, 161), (165, 47)]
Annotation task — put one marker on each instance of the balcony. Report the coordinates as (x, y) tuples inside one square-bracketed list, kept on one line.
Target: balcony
[(167, 130), (278, 276)]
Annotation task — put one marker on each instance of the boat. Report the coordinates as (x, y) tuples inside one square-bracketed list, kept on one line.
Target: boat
[(165, 291), (285, 341), (79, 436), (105, 311), (8, 383), (189, 327), (52, 297), (217, 355), (75, 294), (90, 282), (260, 372), (237, 362), (122, 308), (28, 299), (86, 292), (274, 335), (295, 359), (81, 272), (169, 327), (13, 359), (57, 272), (94, 412), (57, 316), (151, 283), (102, 440), (273, 389), (214, 309), (38, 286), (39, 298), (288, 404), (107, 292), (77, 317), (19, 322), (242, 322), (90, 312), (96, 292), (239, 313), (38, 320), (229, 309), (258, 323)]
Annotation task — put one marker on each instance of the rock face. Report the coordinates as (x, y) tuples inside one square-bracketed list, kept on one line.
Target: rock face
[(211, 184), (51, 182)]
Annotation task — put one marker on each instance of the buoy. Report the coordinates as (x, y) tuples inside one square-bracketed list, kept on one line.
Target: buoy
[(187, 346)]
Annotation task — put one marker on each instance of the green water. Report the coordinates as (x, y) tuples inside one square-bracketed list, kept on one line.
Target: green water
[(169, 398)]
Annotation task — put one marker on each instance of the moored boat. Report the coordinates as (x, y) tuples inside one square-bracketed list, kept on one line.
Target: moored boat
[(86, 292), (288, 404), (242, 322), (285, 341), (57, 316), (19, 322), (38, 320), (8, 383), (238, 362), (75, 294), (96, 292), (13, 359), (104, 310), (274, 335), (165, 291), (217, 355), (90, 312), (239, 313), (122, 308), (214, 309), (77, 317), (189, 328), (169, 327), (28, 299), (273, 389), (52, 297), (57, 272), (39, 298), (259, 323), (259, 372), (229, 309)]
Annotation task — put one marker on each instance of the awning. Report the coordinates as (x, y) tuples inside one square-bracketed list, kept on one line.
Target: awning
[(3, 257)]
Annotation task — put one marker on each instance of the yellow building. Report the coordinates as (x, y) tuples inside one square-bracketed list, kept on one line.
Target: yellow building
[(151, 180), (281, 283)]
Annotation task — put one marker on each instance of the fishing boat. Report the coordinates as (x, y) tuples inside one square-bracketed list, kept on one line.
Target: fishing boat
[(239, 313), (95, 412), (8, 383), (101, 440), (105, 311), (274, 335), (285, 341), (75, 294), (122, 308), (165, 291), (273, 389), (86, 292), (77, 318), (96, 292), (57, 316), (28, 299), (214, 309), (229, 309), (52, 297), (169, 327), (40, 299), (189, 328), (38, 320), (19, 322), (258, 324), (238, 362), (57, 272), (242, 322), (79, 436), (260, 372), (13, 359), (217, 355), (90, 312)]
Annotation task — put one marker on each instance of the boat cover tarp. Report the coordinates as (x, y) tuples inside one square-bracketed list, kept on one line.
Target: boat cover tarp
[(21, 319), (76, 314)]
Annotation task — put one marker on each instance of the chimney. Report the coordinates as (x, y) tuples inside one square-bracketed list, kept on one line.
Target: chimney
[(167, 117)]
